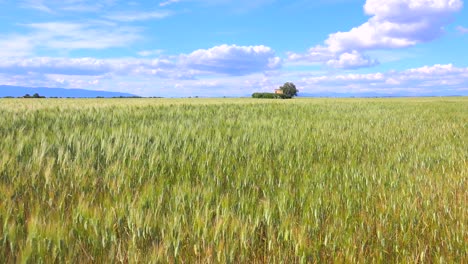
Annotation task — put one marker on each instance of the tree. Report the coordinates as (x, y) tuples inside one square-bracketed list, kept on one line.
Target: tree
[(36, 95), (289, 89)]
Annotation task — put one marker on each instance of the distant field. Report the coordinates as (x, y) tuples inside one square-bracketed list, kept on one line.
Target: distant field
[(234, 180)]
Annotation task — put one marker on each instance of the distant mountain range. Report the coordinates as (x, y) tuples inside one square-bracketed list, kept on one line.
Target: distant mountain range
[(17, 91)]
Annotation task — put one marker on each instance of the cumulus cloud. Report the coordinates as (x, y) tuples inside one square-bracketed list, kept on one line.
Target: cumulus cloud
[(396, 24), (393, 24), (233, 59), (314, 55), (352, 60)]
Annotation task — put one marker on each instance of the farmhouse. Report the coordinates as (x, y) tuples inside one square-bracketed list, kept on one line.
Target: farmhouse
[(279, 91)]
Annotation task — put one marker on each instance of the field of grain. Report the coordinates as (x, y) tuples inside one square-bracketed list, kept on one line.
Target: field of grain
[(234, 180)]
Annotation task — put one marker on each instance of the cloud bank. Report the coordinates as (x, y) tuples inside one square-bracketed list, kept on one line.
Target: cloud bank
[(150, 77), (230, 60), (445, 79)]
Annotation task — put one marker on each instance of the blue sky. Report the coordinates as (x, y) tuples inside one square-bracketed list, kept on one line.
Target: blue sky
[(234, 48)]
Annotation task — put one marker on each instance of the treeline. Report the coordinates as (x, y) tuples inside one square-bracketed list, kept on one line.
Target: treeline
[(270, 96), (36, 95)]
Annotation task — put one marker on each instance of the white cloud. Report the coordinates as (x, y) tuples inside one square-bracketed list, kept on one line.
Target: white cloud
[(315, 54), (53, 6), (437, 70), (82, 66), (394, 24), (61, 38), (233, 59), (462, 30), (86, 66), (66, 36), (138, 16), (15, 46), (234, 5), (352, 60), (148, 53), (169, 2), (36, 4)]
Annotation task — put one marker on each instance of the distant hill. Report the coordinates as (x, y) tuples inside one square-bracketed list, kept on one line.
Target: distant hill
[(17, 91)]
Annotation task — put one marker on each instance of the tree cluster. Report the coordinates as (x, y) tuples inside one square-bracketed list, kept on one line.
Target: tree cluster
[(36, 95), (288, 90), (270, 96)]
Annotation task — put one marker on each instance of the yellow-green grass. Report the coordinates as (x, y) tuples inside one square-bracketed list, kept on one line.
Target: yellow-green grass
[(234, 180)]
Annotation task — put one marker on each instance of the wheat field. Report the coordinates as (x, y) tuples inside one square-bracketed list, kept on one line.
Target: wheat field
[(234, 180)]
